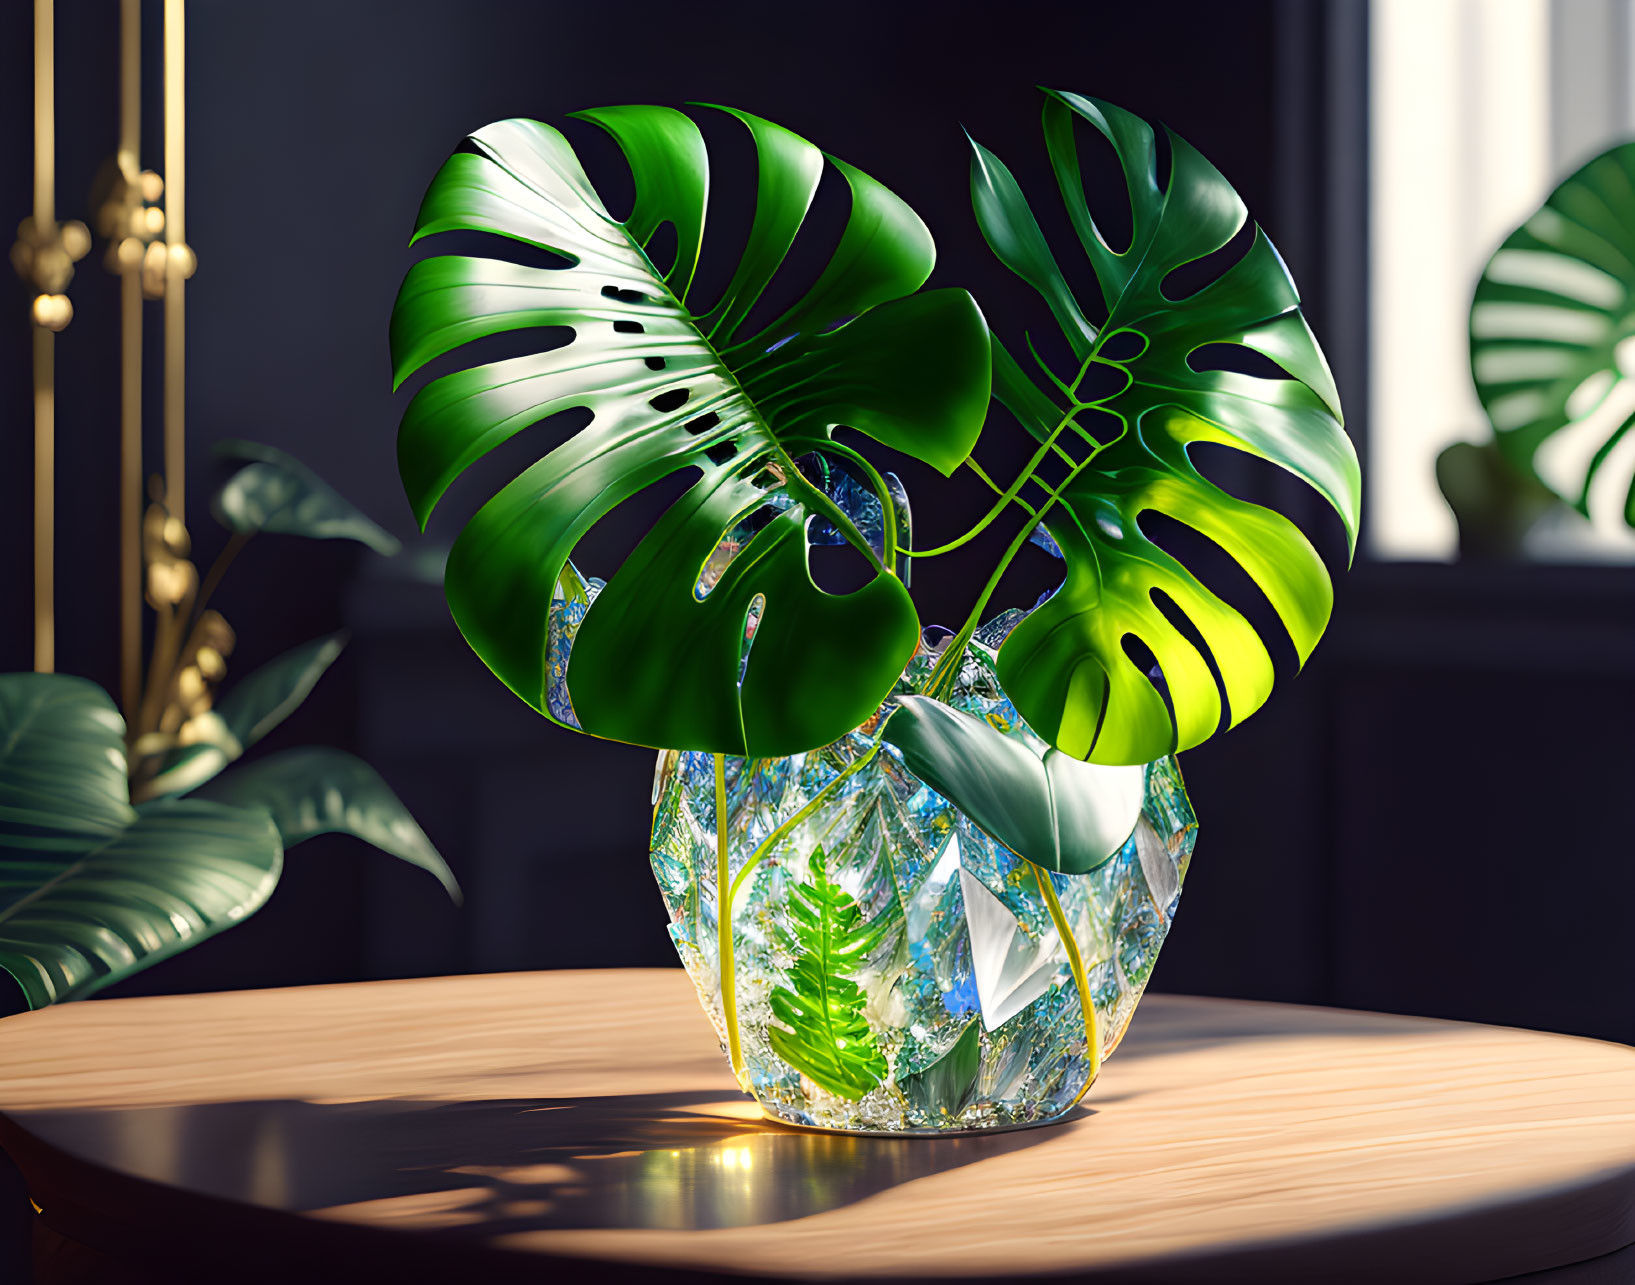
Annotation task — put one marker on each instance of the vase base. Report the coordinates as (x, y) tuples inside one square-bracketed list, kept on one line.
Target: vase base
[(1074, 1112)]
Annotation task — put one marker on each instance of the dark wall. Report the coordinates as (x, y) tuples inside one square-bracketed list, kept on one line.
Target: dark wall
[(1430, 820)]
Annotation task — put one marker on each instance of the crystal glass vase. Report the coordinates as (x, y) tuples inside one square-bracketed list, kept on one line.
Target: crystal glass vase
[(882, 965)]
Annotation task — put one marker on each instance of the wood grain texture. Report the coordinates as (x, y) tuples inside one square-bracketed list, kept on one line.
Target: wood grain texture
[(587, 1117)]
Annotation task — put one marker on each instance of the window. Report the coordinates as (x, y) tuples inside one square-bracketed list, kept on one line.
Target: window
[(1478, 109)]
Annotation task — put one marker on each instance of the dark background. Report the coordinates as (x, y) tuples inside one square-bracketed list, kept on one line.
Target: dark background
[(1432, 819)]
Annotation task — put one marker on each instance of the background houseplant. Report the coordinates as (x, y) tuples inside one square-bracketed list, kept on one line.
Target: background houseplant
[(1551, 349), (713, 637), (121, 845)]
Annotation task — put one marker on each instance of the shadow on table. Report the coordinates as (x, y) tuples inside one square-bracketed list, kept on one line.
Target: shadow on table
[(483, 1169)]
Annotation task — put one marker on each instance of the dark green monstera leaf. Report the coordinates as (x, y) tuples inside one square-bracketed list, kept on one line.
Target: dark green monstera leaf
[(93, 890), (1552, 332), (1065, 666), (680, 386)]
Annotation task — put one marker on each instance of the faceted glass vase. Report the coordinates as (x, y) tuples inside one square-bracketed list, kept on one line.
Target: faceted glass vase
[(886, 967)]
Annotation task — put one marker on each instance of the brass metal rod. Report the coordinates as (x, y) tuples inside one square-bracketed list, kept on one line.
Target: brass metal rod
[(130, 490), (45, 125), (130, 89), (45, 641), (45, 626), (176, 242), (130, 372)]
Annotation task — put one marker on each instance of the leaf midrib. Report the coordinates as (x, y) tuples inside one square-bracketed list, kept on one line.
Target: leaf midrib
[(794, 480)]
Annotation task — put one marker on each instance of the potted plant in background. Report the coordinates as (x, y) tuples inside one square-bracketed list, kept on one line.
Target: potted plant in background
[(919, 876), (1552, 352), (123, 844)]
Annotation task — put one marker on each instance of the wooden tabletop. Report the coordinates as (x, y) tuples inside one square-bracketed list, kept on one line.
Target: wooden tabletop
[(471, 1127)]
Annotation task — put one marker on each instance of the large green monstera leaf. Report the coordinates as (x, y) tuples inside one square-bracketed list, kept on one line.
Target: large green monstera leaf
[(1065, 665), (753, 659), (1552, 332)]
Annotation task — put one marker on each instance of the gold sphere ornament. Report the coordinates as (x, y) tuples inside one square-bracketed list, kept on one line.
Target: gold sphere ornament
[(44, 257), (76, 239), (52, 311)]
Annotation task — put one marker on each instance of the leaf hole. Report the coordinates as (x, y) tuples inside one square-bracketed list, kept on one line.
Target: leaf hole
[(1239, 359), (752, 623), (730, 206), (1105, 189), (1171, 611), (485, 350), (617, 533), (733, 541), (499, 466), (838, 569), (702, 424), (1123, 345), (662, 247), (1140, 655), (1047, 475), (624, 296), (1099, 425), (1248, 477), (1163, 157), (629, 328), (471, 244), (722, 452), (669, 400), (805, 261), (1188, 279), (1221, 575), (1101, 380), (655, 363)]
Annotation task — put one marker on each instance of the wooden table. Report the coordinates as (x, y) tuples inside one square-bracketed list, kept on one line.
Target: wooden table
[(555, 1126)]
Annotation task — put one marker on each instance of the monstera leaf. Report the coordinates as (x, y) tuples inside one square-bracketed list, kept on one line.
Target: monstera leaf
[(1065, 666), (93, 890), (1552, 334), (275, 492), (1050, 808), (678, 386)]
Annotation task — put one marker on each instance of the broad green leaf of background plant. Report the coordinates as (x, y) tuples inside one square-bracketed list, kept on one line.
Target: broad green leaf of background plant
[(276, 492), (93, 890), (62, 764), (180, 872), (1552, 334), (319, 790), (1064, 666), (678, 386), (827, 1037), (1052, 809), (252, 707)]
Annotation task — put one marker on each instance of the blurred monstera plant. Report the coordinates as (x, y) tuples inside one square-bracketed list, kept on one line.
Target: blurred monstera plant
[(1552, 356), (712, 635), (123, 843)]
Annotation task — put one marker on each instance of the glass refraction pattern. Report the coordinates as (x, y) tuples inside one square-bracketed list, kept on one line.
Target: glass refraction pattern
[(964, 951)]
